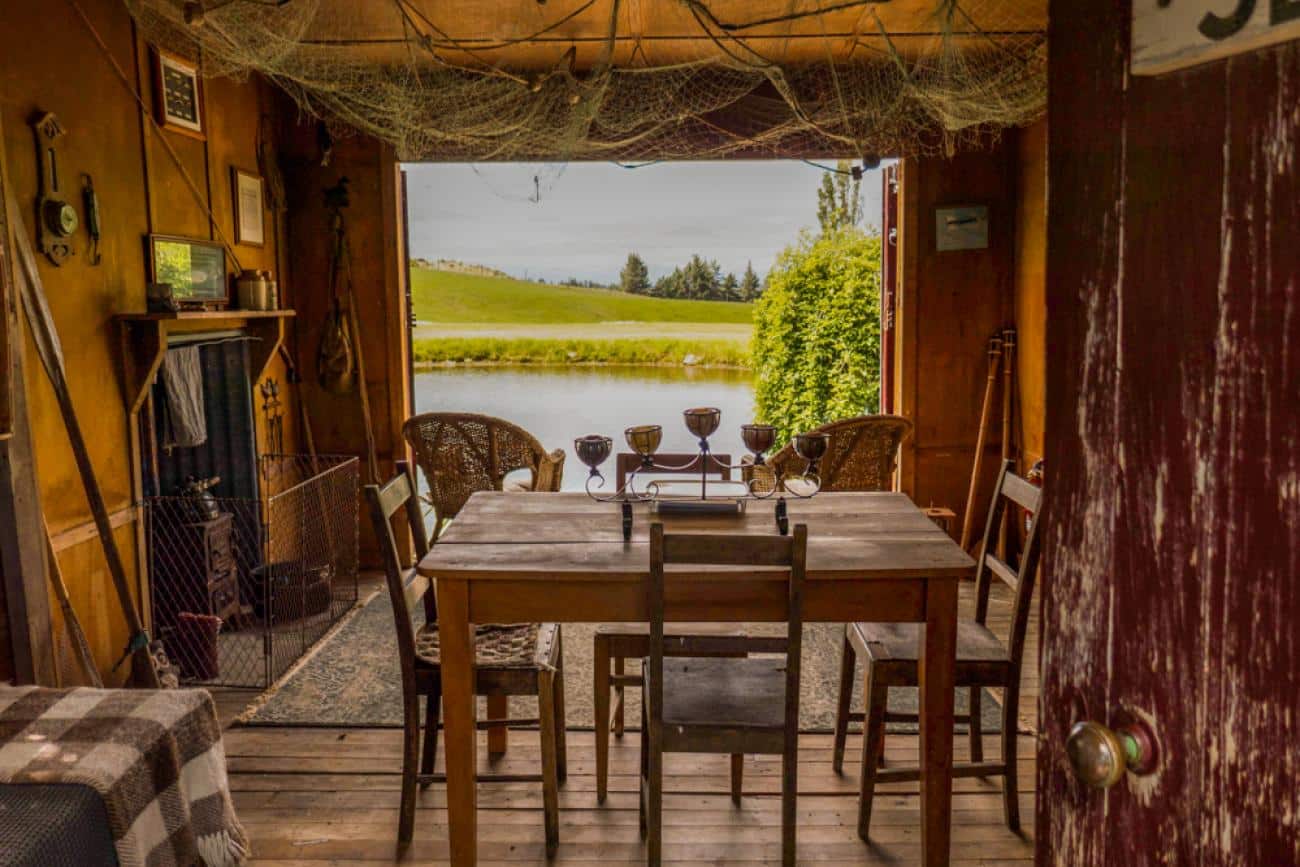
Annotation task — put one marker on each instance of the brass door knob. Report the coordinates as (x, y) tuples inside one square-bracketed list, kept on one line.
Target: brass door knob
[(1100, 755)]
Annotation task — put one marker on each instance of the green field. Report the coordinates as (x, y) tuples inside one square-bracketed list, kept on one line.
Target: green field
[(449, 297)]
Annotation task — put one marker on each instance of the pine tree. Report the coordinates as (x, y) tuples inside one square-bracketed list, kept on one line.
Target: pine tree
[(730, 288), (750, 287), (634, 277)]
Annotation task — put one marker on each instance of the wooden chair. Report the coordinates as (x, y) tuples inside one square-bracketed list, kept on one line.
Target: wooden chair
[(462, 453), (615, 643), (721, 704), (861, 456), (515, 659), (983, 660)]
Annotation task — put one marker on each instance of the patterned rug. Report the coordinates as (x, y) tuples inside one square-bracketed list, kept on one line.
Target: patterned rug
[(351, 679)]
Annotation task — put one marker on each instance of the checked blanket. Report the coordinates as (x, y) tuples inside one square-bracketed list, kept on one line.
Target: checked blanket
[(154, 756)]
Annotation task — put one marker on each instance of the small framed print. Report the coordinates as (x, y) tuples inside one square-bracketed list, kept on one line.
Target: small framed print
[(193, 270), (250, 213), (961, 227), (178, 94)]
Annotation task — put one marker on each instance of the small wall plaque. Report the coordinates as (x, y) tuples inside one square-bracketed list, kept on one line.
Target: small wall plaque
[(961, 227), (178, 94)]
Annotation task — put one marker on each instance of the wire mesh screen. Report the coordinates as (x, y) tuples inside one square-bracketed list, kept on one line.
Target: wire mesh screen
[(242, 587)]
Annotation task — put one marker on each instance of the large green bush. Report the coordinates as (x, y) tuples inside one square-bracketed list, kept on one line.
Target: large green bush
[(816, 349)]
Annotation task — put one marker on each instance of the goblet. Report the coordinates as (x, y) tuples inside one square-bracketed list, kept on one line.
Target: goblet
[(758, 439), (812, 448), (593, 450), (644, 439), (703, 421)]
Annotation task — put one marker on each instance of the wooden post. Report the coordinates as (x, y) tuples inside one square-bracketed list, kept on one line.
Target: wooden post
[(1008, 404)]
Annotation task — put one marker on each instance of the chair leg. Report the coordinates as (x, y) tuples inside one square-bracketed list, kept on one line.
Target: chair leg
[(498, 707), (561, 721), (643, 786), (737, 777), (619, 712), (848, 662), (550, 788), (410, 764), (789, 796), (873, 731), (654, 790), (1010, 780), (600, 704), (432, 714), (976, 725)]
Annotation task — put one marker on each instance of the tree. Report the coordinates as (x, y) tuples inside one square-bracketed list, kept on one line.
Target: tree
[(729, 289), (839, 199), (816, 345), (750, 287), (634, 277)]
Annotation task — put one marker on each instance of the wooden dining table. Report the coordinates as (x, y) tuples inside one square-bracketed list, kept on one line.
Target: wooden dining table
[(525, 557)]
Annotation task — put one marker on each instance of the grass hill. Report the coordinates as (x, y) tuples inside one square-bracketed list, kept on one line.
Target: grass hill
[(454, 297)]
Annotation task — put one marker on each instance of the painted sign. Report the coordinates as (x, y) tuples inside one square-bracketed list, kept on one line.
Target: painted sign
[(1174, 34)]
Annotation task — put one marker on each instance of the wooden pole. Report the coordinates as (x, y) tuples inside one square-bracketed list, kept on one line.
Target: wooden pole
[(46, 338), (71, 623), (1008, 404), (968, 517)]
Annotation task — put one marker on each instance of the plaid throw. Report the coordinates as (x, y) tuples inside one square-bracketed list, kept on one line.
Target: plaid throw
[(154, 757)]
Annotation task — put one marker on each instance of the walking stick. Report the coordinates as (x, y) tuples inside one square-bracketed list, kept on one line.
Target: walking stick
[(968, 517), (46, 338)]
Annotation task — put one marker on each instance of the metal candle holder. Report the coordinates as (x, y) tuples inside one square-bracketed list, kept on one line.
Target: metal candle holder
[(594, 449)]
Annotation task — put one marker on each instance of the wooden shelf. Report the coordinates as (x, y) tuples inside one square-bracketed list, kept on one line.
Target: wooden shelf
[(144, 341)]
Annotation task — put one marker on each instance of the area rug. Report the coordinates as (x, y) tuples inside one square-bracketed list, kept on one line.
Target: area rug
[(352, 679)]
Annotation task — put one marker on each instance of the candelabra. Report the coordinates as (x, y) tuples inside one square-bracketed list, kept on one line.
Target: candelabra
[(594, 449)]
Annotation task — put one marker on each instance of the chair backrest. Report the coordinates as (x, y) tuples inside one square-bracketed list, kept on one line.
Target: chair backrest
[(789, 551), (405, 587), (680, 463), (463, 453), (861, 455), (1011, 491)]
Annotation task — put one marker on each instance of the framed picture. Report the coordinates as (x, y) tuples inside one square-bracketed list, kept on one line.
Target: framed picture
[(250, 212), (177, 93), (961, 227), (195, 270)]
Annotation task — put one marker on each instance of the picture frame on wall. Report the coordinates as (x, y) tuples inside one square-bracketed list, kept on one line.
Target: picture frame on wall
[(189, 272), (249, 197), (178, 94)]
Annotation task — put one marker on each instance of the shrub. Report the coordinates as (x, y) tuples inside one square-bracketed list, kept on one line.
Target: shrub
[(816, 345)]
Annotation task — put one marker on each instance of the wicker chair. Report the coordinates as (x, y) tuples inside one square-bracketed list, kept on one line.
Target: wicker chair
[(861, 456), (462, 453)]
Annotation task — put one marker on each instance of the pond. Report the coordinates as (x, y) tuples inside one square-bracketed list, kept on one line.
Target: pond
[(557, 404)]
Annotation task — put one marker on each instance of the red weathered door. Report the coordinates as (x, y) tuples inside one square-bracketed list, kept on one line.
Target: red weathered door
[(1171, 592)]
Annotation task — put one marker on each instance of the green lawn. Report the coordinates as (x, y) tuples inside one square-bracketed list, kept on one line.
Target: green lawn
[(449, 297)]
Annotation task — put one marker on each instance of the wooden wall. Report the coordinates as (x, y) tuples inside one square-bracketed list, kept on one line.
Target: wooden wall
[(376, 242), (949, 304), (1170, 591), (51, 63), (1031, 290)]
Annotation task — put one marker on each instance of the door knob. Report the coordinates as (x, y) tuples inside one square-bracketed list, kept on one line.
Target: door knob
[(1100, 755)]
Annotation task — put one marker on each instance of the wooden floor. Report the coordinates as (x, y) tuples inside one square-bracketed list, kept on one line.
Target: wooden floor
[(315, 797)]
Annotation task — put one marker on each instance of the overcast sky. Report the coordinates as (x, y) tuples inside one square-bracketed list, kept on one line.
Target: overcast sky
[(589, 216)]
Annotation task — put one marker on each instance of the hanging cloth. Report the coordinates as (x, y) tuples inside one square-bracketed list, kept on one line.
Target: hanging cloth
[(187, 418)]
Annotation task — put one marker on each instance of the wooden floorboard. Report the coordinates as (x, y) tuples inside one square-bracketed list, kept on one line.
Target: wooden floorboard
[(323, 797)]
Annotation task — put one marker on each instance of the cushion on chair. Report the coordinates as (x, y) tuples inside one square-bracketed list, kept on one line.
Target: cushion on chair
[(900, 642), (516, 486), (724, 693), (496, 645)]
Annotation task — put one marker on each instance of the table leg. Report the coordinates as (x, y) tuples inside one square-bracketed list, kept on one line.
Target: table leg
[(458, 719), (937, 662)]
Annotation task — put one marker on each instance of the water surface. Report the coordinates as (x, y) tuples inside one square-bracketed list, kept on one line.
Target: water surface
[(557, 404)]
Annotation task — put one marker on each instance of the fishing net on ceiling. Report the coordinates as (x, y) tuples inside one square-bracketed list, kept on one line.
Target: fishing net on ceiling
[(529, 80)]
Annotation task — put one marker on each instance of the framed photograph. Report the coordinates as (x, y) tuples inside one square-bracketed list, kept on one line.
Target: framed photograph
[(961, 227), (177, 93), (250, 210), (193, 269)]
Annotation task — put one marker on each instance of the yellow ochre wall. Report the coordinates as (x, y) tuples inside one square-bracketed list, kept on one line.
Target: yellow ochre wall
[(52, 63)]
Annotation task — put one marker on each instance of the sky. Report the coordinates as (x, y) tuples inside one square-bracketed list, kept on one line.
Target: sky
[(582, 219)]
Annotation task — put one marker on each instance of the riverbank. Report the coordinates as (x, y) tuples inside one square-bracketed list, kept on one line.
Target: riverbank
[(644, 351)]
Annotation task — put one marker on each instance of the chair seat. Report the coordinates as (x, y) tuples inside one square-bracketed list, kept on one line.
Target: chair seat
[(724, 693), (898, 644), (497, 645)]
